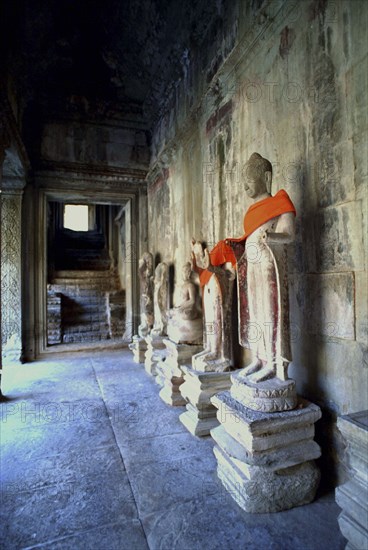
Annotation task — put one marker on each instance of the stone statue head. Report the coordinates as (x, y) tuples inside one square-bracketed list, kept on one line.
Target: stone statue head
[(186, 271), (258, 176)]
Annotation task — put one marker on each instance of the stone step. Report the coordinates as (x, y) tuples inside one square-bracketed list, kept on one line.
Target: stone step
[(76, 338), (88, 329), (97, 265), (82, 274), (89, 317), (84, 289)]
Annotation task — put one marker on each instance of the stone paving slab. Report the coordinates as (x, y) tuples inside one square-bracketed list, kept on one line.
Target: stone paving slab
[(36, 516), (130, 478), (162, 448), (165, 485), (142, 417), (20, 475), (212, 521), (118, 536), (50, 439)]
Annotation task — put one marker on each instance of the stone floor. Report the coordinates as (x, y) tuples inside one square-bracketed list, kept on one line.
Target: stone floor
[(92, 458)]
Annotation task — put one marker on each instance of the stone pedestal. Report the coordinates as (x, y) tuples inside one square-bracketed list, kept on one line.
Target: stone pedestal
[(352, 497), (269, 396), (139, 347), (198, 388), (170, 371), (188, 332), (266, 460), (156, 352)]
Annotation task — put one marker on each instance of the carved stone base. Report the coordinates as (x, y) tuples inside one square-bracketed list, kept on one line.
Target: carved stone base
[(198, 388), (156, 352), (352, 497), (204, 363), (266, 460), (170, 370), (269, 396), (139, 348), (261, 491), (186, 332)]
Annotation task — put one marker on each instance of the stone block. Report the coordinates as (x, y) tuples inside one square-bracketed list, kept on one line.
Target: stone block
[(259, 491), (284, 457), (198, 388), (352, 497), (139, 347), (156, 352), (354, 428), (171, 373), (258, 431), (353, 531)]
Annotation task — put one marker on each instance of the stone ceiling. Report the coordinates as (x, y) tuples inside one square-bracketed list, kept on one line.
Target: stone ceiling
[(119, 55)]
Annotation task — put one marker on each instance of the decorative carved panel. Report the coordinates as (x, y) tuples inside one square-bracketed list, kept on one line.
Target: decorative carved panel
[(11, 319)]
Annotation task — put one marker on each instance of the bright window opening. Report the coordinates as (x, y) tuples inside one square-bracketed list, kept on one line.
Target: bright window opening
[(76, 217)]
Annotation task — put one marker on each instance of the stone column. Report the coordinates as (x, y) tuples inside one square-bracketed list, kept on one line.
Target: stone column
[(11, 287)]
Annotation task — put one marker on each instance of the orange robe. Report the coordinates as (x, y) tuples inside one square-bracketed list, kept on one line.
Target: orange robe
[(256, 215)]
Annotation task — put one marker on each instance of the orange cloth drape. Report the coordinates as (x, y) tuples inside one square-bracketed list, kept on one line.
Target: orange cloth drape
[(256, 215)]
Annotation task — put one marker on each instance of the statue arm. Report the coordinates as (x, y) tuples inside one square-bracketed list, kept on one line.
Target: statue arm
[(285, 230), (195, 266), (225, 270)]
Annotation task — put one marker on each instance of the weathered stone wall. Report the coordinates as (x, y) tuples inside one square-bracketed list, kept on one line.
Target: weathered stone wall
[(94, 144), (288, 80)]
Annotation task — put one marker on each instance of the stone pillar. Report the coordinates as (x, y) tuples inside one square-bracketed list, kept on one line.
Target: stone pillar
[(11, 287), (352, 497)]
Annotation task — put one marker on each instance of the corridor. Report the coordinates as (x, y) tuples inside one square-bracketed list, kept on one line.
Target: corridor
[(92, 458)]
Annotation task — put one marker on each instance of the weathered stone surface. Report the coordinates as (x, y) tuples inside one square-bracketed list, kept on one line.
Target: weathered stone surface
[(339, 237), (94, 144), (197, 422), (198, 388), (170, 371), (333, 299), (352, 497), (261, 492), (274, 459), (11, 280), (139, 347), (161, 299), (258, 431), (186, 332), (217, 304), (171, 473), (156, 352), (320, 160), (145, 271), (361, 305), (185, 325), (267, 396)]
